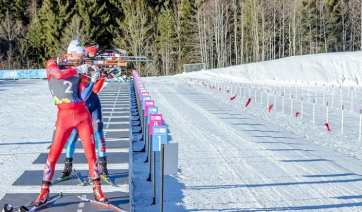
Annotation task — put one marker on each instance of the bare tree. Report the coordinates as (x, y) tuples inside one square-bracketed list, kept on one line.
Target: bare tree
[(9, 31), (234, 9), (242, 17), (135, 27), (255, 29)]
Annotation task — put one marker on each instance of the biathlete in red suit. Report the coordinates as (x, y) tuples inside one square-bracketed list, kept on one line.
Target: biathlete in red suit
[(69, 94), (95, 108)]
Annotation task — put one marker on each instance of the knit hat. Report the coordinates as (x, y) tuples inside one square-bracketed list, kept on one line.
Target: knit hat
[(76, 47)]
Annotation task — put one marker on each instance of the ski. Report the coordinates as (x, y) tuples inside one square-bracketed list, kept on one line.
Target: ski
[(35, 208), (9, 208), (87, 181), (77, 175), (61, 179), (108, 180), (108, 205), (31, 206), (73, 174), (103, 177)]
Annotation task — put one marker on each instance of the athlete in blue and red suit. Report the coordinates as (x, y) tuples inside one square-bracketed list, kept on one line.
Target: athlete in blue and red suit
[(94, 106), (70, 93)]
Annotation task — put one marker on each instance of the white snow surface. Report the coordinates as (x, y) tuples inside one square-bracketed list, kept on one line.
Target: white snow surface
[(231, 157)]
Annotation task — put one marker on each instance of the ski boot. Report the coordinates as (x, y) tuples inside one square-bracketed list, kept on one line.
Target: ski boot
[(97, 190), (68, 167), (44, 193), (103, 166)]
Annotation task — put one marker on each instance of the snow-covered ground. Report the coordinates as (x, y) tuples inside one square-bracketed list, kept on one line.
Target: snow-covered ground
[(231, 157)]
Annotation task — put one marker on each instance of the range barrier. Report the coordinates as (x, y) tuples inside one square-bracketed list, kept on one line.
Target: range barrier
[(23, 74), (154, 136)]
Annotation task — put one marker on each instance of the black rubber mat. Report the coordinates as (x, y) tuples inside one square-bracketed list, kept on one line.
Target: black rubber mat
[(115, 126), (113, 119), (108, 110), (120, 126), (124, 113), (112, 157), (120, 120), (119, 134), (33, 177), (70, 201)]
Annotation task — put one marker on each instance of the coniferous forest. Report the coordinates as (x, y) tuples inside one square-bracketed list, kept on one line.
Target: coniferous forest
[(219, 33)]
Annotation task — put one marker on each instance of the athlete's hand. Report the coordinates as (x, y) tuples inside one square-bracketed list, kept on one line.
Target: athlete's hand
[(94, 76), (82, 69), (95, 68)]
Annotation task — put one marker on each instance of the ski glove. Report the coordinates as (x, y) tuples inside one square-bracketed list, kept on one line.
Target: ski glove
[(94, 76), (95, 68), (82, 69)]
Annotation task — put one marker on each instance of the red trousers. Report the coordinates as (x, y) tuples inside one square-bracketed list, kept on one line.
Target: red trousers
[(72, 116)]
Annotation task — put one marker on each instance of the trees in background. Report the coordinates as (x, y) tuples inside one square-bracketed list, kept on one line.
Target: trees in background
[(216, 32), (135, 28)]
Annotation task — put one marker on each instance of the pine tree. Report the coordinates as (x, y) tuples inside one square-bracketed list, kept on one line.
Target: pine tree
[(73, 30), (116, 16), (35, 36), (309, 24), (166, 40), (96, 17), (183, 16), (333, 24), (50, 27)]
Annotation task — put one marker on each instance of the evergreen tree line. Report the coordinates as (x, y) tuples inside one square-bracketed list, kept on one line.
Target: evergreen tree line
[(216, 32)]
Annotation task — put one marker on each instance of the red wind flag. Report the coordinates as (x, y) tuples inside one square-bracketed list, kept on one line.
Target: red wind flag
[(270, 107), (327, 125), (227, 91), (248, 102), (296, 114), (232, 98), (220, 89)]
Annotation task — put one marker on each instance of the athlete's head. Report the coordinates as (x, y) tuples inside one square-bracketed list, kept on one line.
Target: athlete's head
[(91, 51), (76, 51)]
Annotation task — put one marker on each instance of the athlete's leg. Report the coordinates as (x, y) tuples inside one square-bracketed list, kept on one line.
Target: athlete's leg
[(100, 141), (86, 134), (96, 112), (99, 136), (72, 141), (63, 129), (56, 148), (70, 148)]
